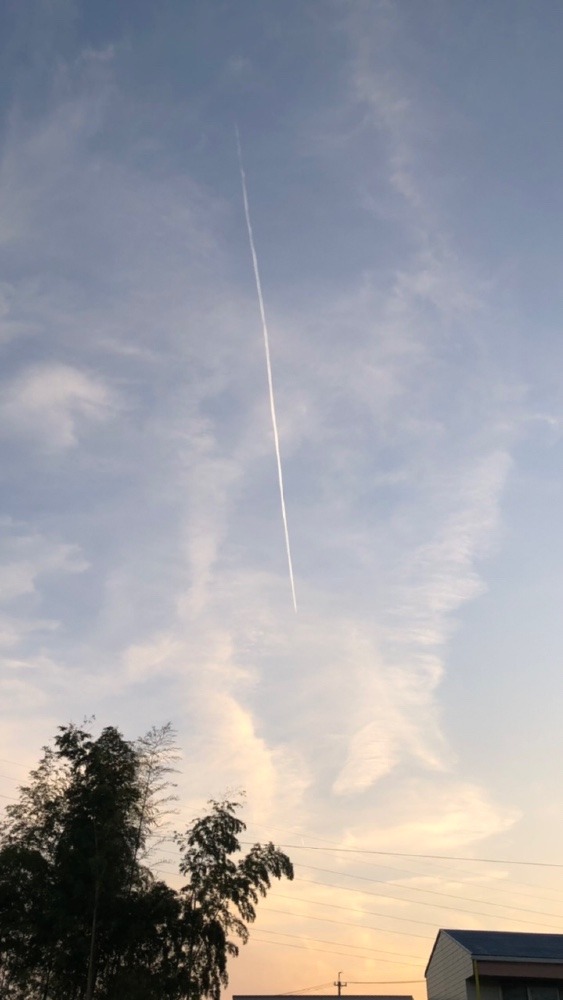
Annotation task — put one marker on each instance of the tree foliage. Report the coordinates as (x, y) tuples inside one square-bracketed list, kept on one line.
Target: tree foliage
[(82, 916)]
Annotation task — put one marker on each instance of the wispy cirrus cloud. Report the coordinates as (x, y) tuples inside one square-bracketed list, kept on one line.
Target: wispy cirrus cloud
[(30, 563), (434, 816), (28, 556), (50, 403), (393, 493)]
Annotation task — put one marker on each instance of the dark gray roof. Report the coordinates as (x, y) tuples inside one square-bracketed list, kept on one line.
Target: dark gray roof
[(319, 996), (510, 944)]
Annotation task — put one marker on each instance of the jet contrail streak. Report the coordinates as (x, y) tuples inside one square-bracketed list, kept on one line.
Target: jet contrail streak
[(268, 364)]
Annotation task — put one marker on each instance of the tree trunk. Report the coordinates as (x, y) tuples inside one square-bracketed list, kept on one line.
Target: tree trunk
[(45, 993), (91, 981)]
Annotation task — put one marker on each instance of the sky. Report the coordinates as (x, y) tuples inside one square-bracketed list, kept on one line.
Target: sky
[(403, 164)]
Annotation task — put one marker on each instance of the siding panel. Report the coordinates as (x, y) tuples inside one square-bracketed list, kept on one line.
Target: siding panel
[(448, 971)]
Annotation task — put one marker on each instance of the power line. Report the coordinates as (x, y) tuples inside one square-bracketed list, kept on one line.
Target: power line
[(428, 857), (362, 892), (305, 989), (404, 854), (506, 889), (366, 892), (351, 923), (438, 870), (355, 947), (446, 895), (350, 909), (437, 906), (439, 874), (17, 763), (379, 895), (372, 852), (323, 951)]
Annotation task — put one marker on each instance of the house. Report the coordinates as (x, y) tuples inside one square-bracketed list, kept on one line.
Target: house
[(495, 965)]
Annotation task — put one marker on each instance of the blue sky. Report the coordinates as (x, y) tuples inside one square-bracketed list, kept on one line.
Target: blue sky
[(404, 167)]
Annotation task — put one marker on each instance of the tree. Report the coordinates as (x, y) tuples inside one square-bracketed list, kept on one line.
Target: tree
[(25, 910), (82, 916), (97, 848), (220, 896)]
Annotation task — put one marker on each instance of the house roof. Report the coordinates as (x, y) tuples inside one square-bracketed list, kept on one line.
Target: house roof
[(515, 946), (319, 996), (510, 945)]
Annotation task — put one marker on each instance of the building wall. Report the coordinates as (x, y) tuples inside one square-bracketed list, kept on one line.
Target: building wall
[(521, 969), (489, 990), (448, 970)]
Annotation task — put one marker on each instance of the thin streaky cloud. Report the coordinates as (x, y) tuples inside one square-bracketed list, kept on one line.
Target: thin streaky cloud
[(268, 365)]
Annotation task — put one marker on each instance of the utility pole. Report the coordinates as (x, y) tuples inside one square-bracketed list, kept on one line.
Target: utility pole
[(339, 984)]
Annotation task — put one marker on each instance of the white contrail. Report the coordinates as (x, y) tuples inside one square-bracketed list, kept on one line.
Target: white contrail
[(268, 363)]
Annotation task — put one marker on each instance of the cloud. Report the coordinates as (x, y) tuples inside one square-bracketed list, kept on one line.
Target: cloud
[(27, 557), (440, 575), (52, 403), (432, 582), (445, 815), (393, 458), (213, 686), (29, 563)]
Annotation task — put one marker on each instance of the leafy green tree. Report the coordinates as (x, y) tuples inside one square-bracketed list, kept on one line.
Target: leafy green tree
[(82, 916)]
